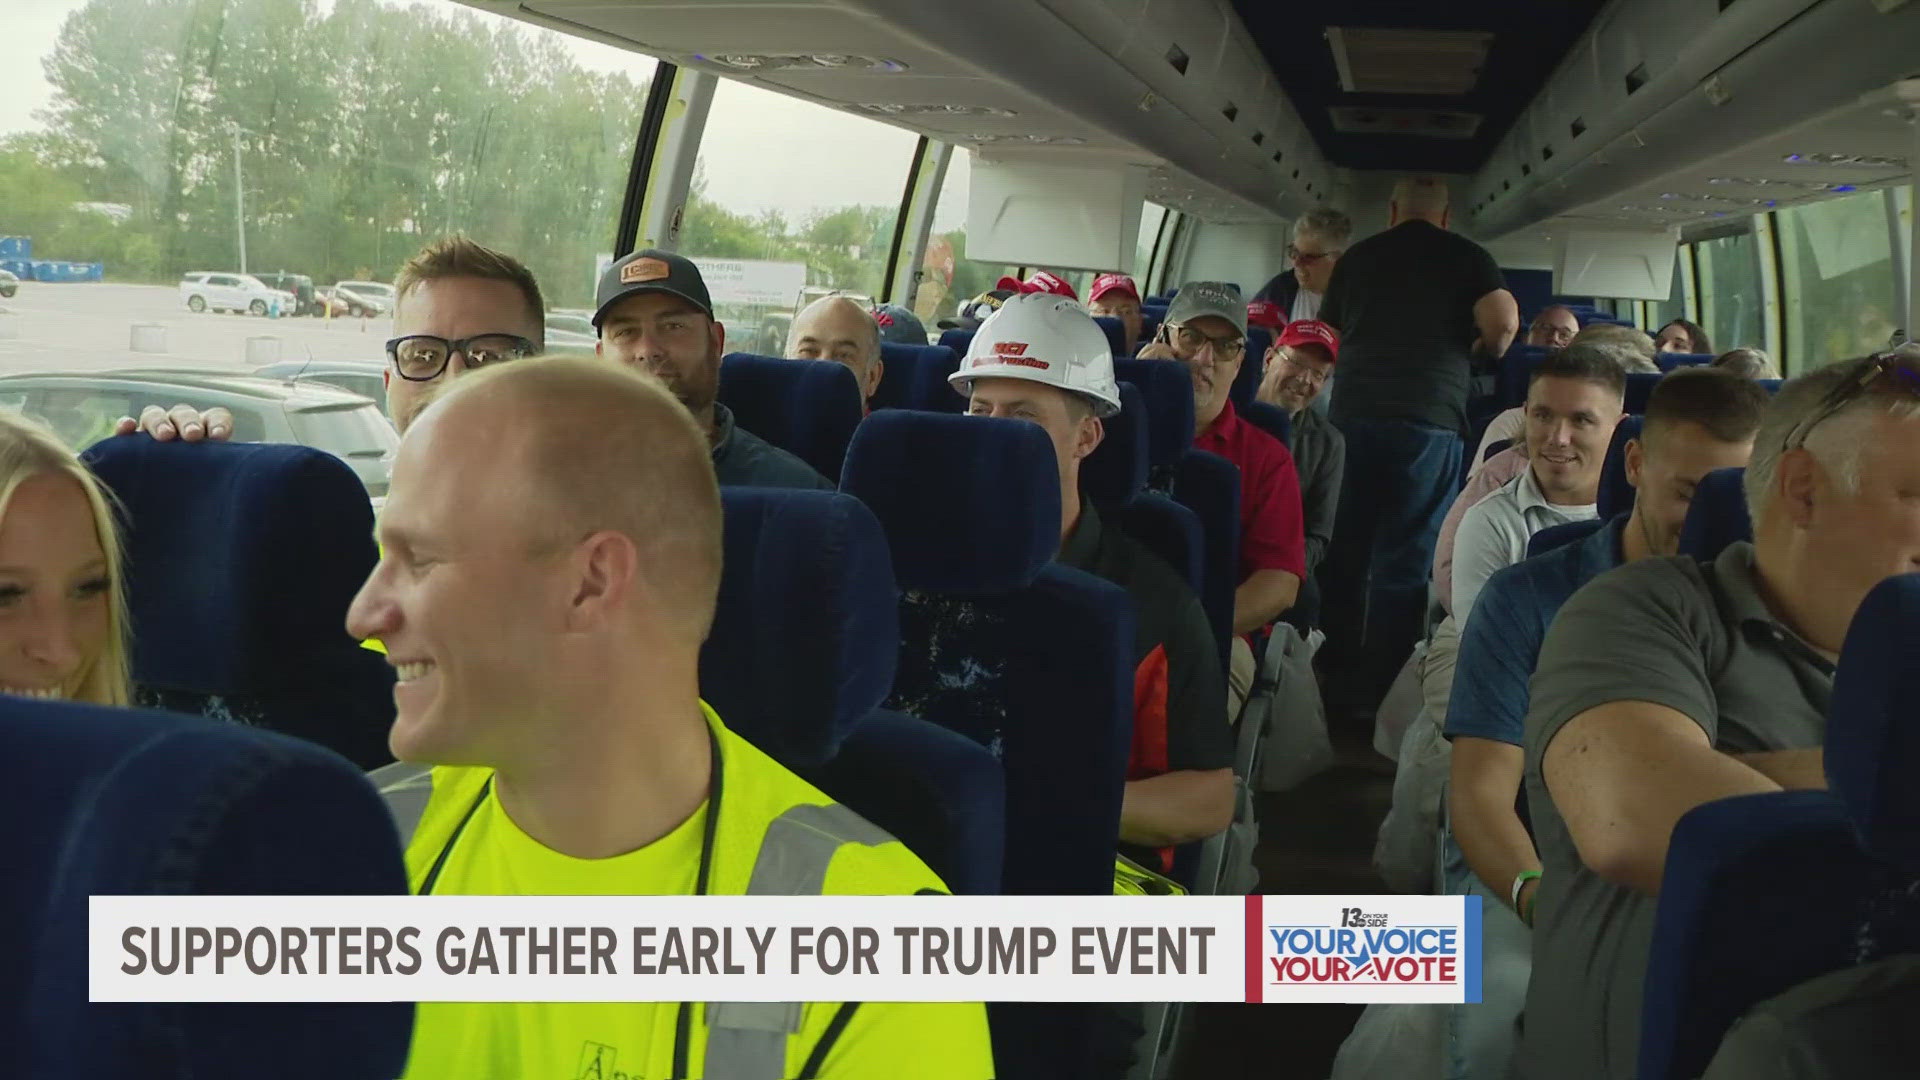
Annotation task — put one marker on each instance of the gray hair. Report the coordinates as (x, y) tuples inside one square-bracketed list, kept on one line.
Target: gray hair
[(1838, 443), (1326, 223)]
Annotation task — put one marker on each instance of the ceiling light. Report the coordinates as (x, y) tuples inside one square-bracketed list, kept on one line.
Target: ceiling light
[(1869, 161), (801, 61), (891, 109), (1035, 140)]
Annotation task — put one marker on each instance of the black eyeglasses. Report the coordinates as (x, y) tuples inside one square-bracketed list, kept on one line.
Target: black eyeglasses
[(1187, 342), (1296, 255), (422, 357), (1886, 371)]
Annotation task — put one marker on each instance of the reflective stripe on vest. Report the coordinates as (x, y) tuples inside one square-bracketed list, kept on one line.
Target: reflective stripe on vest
[(746, 1040)]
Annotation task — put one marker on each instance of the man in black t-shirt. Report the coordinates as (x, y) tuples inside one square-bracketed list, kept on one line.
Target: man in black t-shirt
[(1416, 306)]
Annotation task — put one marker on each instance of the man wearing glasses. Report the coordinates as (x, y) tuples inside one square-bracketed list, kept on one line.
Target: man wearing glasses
[(1206, 329), (1319, 236), (1669, 683)]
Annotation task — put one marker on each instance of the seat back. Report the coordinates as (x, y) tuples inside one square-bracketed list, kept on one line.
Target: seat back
[(1516, 371), (1209, 485), (800, 657), (1640, 386), (265, 545), (1167, 392), (1672, 360), (1269, 418), (1028, 658), (808, 408), (1872, 747), (1114, 477), (1616, 494), (1559, 536), (915, 377), (1717, 516), (1116, 332), (956, 339), (1246, 381), (128, 802)]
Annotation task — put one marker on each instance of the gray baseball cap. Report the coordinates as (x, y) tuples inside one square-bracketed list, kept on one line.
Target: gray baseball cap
[(1198, 299)]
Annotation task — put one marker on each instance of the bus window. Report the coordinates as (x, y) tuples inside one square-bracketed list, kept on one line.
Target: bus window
[(802, 198), (950, 278), (1837, 267), (1151, 215), (1730, 300)]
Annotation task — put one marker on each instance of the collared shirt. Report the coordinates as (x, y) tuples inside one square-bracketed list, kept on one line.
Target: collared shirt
[(1499, 469), (1319, 458), (1306, 305), (1494, 534), (743, 459), (1694, 637), (1179, 694), (1272, 534)]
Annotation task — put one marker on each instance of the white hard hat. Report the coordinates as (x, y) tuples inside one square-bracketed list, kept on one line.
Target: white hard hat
[(1045, 339)]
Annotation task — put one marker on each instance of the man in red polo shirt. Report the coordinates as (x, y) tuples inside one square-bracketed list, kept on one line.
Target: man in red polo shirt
[(1206, 329)]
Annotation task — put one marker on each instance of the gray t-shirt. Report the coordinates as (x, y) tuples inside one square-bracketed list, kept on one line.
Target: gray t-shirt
[(1697, 638)]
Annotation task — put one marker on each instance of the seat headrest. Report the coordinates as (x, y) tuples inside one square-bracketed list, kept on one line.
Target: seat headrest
[(1116, 332), (1640, 386), (1616, 495), (1246, 383), (1117, 469), (915, 377), (1559, 536), (956, 339), (969, 504), (131, 802), (808, 408), (807, 630), (1168, 392), (264, 543), (1671, 360), (1271, 419), (1717, 517), (1873, 747)]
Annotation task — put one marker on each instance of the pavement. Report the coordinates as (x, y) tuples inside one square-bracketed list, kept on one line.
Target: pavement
[(91, 327)]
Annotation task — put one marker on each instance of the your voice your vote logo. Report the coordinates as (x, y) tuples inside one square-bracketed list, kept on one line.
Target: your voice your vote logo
[(1363, 949)]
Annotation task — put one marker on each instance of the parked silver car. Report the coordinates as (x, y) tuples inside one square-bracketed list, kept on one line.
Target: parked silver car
[(363, 377), (82, 409)]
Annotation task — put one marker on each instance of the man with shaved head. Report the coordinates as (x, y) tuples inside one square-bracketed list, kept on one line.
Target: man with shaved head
[(1417, 308), (837, 329), (551, 562)]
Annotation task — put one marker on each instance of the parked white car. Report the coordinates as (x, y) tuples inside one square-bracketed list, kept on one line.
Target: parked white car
[(206, 290)]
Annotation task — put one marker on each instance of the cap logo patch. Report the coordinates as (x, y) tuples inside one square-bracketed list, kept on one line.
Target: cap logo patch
[(1009, 348), (643, 270)]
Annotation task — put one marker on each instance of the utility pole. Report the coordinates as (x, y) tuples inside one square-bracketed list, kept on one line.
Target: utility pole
[(239, 196)]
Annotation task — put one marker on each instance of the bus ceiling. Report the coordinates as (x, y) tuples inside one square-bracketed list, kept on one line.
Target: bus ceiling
[(1539, 111)]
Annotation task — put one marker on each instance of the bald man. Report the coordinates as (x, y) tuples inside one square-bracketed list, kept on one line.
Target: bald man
[(837, 329), (1417, 307), (551, 565)]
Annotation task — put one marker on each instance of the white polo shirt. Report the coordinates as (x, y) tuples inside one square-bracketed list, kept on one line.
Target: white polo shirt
[(1495, 533)]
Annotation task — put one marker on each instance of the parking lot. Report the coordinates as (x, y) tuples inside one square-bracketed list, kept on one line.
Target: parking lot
[(90, 327)]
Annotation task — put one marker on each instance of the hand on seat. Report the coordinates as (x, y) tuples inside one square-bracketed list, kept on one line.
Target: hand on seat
[(181, 422)]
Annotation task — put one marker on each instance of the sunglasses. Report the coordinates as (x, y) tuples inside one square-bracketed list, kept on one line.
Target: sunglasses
[(1888, 371)]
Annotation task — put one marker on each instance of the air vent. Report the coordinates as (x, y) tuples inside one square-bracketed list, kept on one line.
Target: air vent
[(802, 62), (1296, 174), (886, 108), (1428, 123), (1277, 155), (1231, 112), (1525, 169), (1177, 59), (1259, 137), (1637, 78), (1376, 61), (1577, 128), (1546, 153)]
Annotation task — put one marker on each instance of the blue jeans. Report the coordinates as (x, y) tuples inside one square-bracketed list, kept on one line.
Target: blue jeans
[(1401, 478), (1481, 1038)]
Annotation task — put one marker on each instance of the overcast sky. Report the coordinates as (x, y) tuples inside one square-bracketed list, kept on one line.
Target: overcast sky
[(762, 150)]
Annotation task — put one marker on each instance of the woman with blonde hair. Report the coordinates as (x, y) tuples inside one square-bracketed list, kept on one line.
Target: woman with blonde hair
[(63, 614)]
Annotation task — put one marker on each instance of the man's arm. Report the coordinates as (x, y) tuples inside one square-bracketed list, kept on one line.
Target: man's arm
[(1263, 597), (1794, 770), (1481, 789), (1624, 773), (1482, 546), (1497, 316), (182, 421), (1177, 807)]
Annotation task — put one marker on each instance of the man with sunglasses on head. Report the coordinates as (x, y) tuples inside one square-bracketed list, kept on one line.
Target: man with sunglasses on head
[(654, 313), (460, 306), (1206, 329), (1670, 683)]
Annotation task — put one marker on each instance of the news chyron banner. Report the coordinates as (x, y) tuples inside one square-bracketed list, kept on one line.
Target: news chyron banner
[(1417, 949)]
